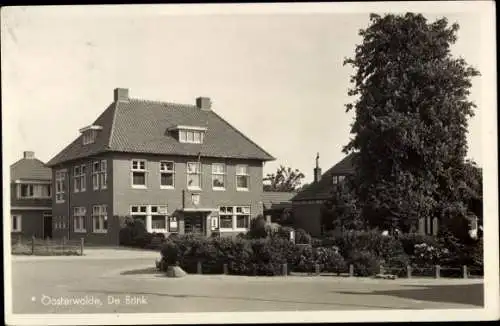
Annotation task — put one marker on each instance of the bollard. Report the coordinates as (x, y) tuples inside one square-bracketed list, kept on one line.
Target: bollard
[(316, 269), (33, 245), (465, 272), (63, 241), (81, 246), (351, 270), (438, 271), (254, 270), (225, 269), (408, 271), (285, 269), (198, 268)]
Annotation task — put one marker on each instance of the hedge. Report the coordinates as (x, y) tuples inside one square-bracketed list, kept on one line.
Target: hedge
[(366, 251)]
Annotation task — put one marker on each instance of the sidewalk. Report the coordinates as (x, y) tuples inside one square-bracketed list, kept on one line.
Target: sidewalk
[(97, 253)]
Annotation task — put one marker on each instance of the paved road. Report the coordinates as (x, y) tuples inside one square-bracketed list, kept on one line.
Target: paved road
[(120, 283)]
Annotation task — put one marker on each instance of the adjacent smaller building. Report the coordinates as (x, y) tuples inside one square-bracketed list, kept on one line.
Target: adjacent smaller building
[(30, 197), (277, 206), (307, 205)]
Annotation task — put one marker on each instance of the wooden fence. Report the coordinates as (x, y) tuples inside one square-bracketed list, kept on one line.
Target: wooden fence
[(47, 247), (402, 272)]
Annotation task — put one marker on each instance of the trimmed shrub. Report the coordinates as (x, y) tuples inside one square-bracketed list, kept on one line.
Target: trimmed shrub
[(365, 263), (257, 228)]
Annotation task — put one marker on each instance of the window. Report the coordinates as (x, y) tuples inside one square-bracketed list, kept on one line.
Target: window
[(167, 171), (226, 217), (154, 217), (139, 213), (79, 181), (99, 175), (89, 137), (218, 176), (191, 136), (242, 217), (100, 218), (60, 185), (233, 218), (95, 175), (29, 191), (76, 177), (336, 179), (194, 175), (79, 218), (103, 173), (159, 218), (242, 177), (138, 170), (16, 223)]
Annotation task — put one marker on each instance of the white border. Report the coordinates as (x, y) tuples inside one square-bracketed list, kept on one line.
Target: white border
[(490, 312)]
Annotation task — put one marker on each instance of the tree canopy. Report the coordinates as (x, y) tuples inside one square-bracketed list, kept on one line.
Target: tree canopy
[(411, 116), (284, 180)]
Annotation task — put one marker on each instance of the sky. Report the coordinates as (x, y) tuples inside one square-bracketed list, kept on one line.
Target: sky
[(278, 77)]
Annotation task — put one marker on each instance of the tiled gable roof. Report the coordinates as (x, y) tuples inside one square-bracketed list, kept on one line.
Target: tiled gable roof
[(276, 199), (322, 188), (30, 169), (141, 126)]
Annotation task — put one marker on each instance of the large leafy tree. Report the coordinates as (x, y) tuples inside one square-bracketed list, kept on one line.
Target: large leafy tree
[(411, 112), (285, 179), (342, 211)]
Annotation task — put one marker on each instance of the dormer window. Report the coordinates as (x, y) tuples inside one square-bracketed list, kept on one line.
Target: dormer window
[(89, 134), (190, 134)]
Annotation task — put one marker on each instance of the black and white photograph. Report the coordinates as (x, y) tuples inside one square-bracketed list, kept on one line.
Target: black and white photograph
[(250, 163)]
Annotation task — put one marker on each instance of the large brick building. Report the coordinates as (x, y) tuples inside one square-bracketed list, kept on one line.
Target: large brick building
[(180, 168)]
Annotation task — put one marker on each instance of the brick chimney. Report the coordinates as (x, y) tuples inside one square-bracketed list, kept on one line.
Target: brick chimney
[(204, 103), (317, 170), (29, 155), (121, 95)]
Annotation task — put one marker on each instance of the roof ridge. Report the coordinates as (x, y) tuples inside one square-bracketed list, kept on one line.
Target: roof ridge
[(243, 135), (142, 100)]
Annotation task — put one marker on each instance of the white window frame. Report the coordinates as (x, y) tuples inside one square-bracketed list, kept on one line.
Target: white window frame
[(31, 194), (216, 173), (99, 213), (19, 222), (197, 136), (196, 173), (76, 178), (99, 174), (234, 220), (96, 167), (159, 213), (246, 175), (83, 178), (79, 216), (89, 136), (103, 174), (166, 171), (138, 169), (36, 191), (60, 182)]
